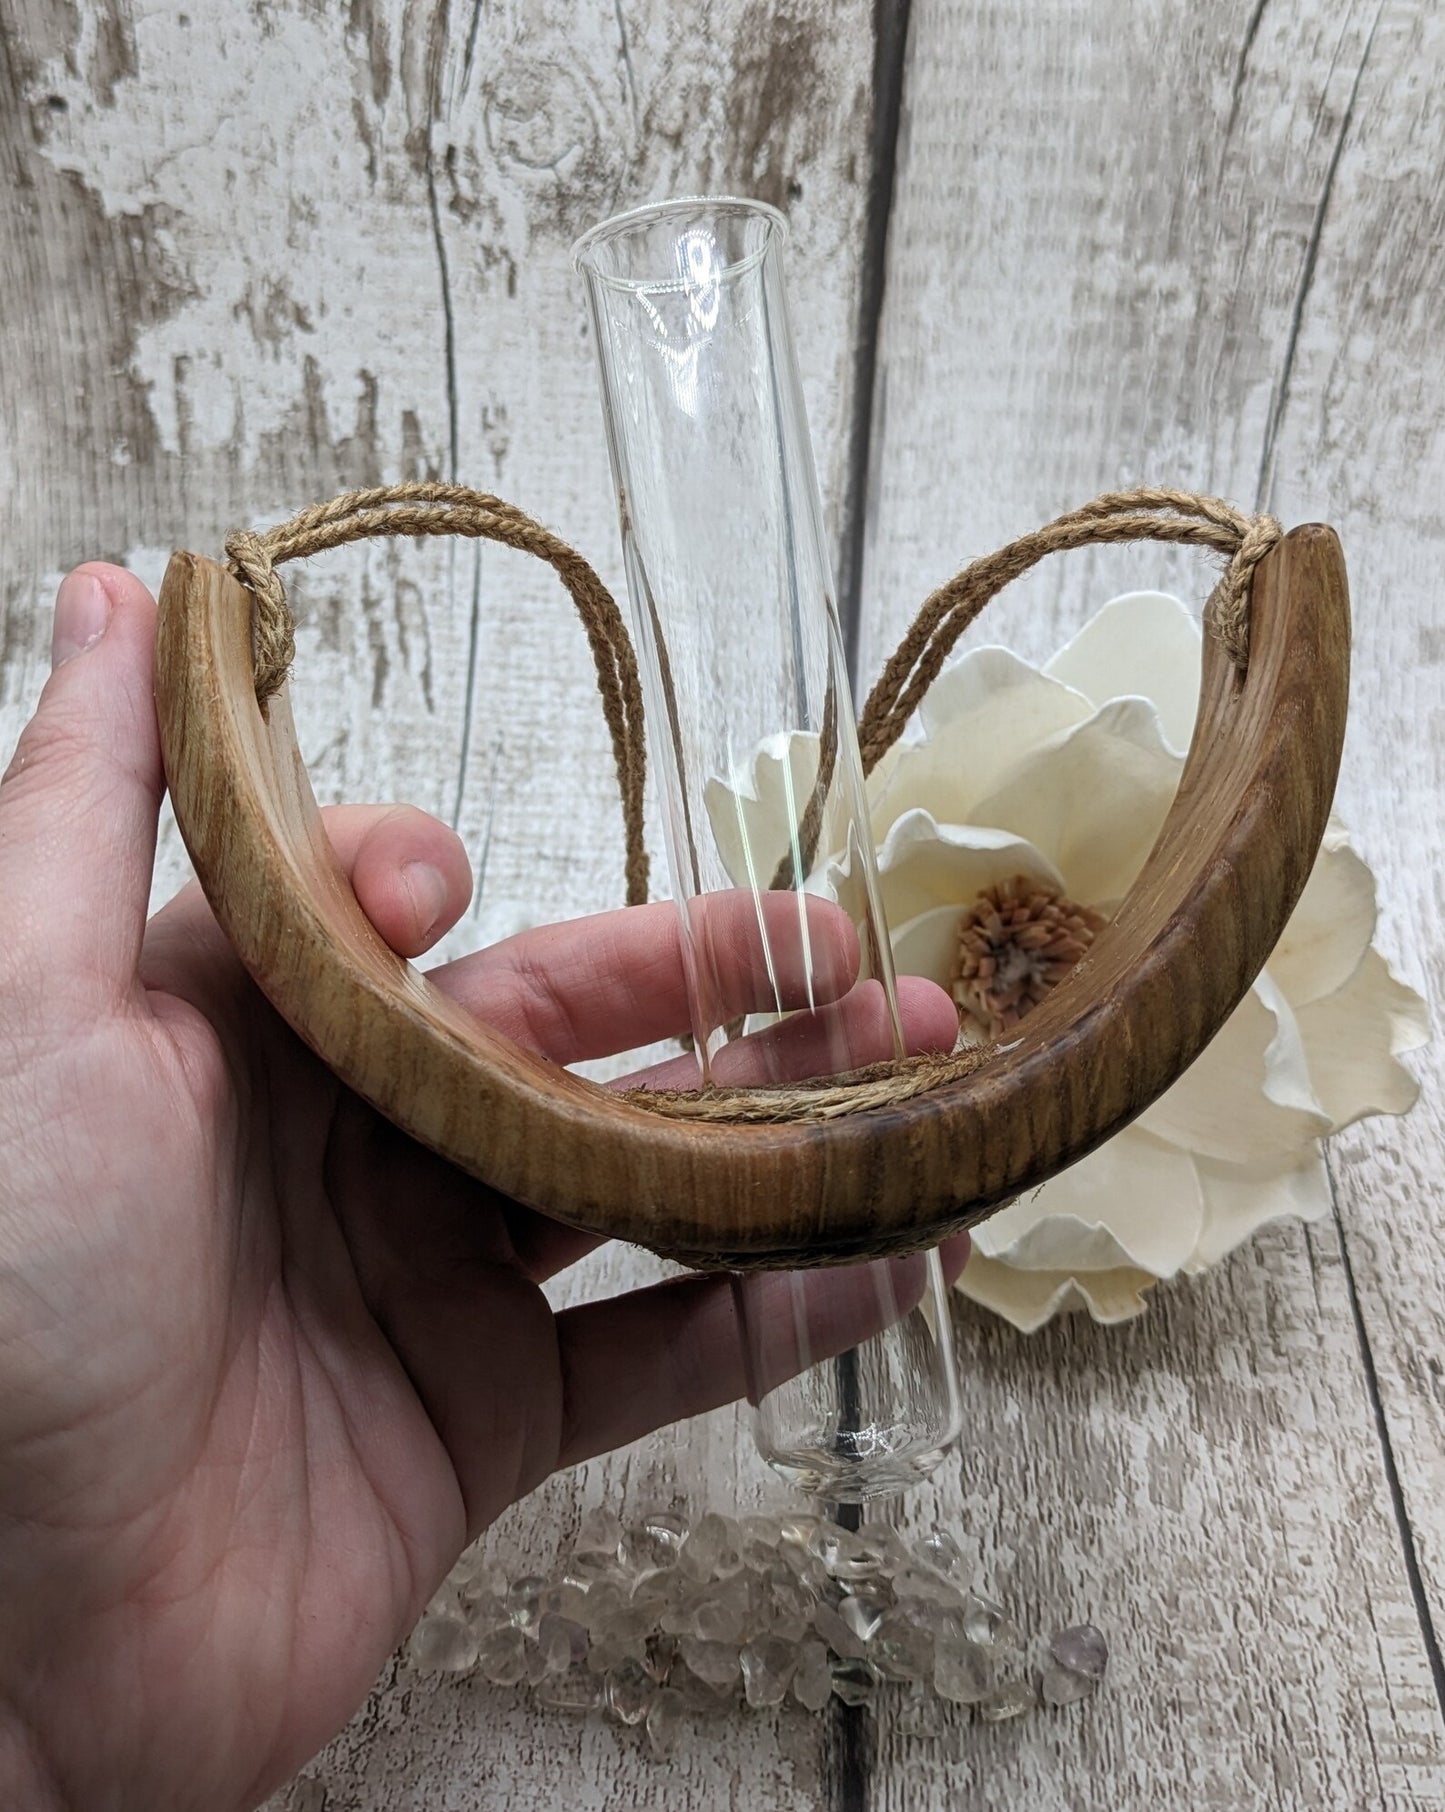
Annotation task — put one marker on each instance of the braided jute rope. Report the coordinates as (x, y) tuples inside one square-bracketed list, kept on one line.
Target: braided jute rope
[(421, 509)]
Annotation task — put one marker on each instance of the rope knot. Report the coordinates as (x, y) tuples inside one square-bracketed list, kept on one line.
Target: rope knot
[(1227, 611), (273, 628)]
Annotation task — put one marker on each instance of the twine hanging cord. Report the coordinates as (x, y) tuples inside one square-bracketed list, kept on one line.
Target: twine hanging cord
[(425, 509), (422, 509)]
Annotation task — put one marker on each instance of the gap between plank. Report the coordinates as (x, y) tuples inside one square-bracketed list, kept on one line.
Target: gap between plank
[(848, 1779), (890, 47), (1428, 1633)]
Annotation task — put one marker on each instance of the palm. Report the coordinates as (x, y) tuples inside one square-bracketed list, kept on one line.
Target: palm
[(342, 1306)]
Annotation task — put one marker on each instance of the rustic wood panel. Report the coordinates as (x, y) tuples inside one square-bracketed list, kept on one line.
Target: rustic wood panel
[(280, 249), (253, 255), (1204, 248)]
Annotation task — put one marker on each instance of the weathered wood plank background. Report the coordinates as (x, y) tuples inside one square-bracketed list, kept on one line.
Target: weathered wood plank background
[(251, 254)]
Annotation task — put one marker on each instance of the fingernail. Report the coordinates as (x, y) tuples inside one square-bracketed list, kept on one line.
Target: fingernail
[(428, 890), (82, 614)]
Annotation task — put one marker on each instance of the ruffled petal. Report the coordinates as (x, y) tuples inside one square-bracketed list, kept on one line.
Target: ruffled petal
[(980, 715), (924, 864), (1331, 927), (755, 814), (1354, 1037), (1134, 1203), (1092, 799), (1239, 1199), (1030, 1298), (1248, 1096), (1144, 644)]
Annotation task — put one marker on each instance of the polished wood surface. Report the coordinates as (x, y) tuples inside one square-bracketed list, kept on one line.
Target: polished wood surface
[(1187, 942)]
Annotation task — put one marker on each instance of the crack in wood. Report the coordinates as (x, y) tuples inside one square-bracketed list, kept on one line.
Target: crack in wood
[(1280, 400), (626, 59), (1236, 92), (1429, 1635), (890, 48), (470, 53)]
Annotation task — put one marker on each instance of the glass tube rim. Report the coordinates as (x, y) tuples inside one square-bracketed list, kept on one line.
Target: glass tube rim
[(617, 225)]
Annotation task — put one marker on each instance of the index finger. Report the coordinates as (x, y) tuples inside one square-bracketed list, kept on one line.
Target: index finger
[(593, 986)]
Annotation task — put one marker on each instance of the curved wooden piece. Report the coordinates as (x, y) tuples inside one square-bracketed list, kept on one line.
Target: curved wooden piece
[(1199, 924)]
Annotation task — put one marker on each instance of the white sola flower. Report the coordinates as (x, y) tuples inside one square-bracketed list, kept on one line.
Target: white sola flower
[(1010, 821)]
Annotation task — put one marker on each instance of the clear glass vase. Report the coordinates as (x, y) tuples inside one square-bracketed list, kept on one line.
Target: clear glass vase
[(851, 1369)]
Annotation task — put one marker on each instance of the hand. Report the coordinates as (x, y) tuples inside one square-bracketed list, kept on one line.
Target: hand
[(265, 1364)]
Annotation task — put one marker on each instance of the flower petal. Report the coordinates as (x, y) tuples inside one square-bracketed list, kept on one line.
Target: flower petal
[(928, 945), (1354, 1037), (1247, 1097), (1135, 1202), (1239, 1199), (1030, 1298), (1144, 644), (1092, 799), (1331, 927), (923, 864), (979, 716), (755, 814)]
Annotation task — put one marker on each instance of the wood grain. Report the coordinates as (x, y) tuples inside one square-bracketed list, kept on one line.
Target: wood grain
[(1185, 945)]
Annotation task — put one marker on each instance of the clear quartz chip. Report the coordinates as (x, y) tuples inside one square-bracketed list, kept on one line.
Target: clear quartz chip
[(1062, 1686), (913, 1716), (576, 1690), (629, 1692), (863, 1611), (654, 1543), (767, 1664), (940, 1552), (829, 1624), (502, 1656), (1082, 1649), (442, 1644), (855, 1682), (715, 1662), (524, 1600), (758, 1538), (602, 1657), (986, 1622), (666, 1718), (885, 1541), (551, 1651), (1011, 1700), (476, 1576), (900, 1648), (599, 1535), (962, 1671), (813, 1675), (711, 1550)]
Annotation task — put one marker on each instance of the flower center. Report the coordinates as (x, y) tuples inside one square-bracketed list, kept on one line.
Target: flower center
[(1018, 940)]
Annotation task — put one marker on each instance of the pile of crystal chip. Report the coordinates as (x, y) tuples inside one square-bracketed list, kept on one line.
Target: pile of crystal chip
[(664, 1621)]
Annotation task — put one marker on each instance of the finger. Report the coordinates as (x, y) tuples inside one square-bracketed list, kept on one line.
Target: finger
[(640, 1361), (80, 801), (602, 984), (850, 1033), (409, 870)]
